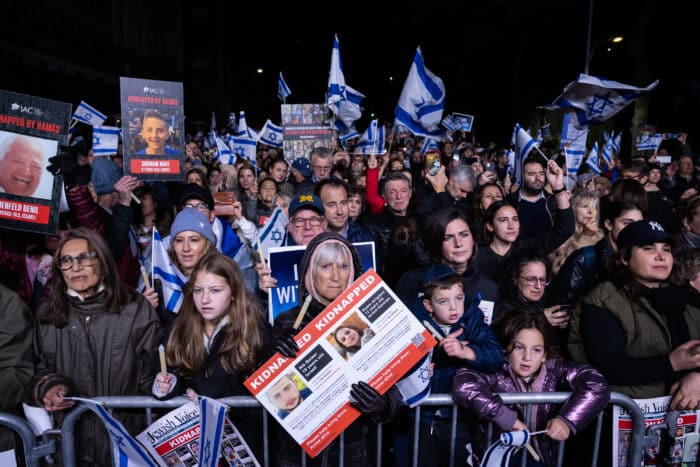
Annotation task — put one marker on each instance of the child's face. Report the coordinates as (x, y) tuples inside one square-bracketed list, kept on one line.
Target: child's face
[(285, 394), (155, 132), (528, 353), (446, 305)]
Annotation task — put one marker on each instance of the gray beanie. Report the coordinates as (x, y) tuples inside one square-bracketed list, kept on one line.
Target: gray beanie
[(191, 219), (105, 174)]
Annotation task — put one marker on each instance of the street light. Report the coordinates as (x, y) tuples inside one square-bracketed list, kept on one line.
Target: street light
[(607, 40)]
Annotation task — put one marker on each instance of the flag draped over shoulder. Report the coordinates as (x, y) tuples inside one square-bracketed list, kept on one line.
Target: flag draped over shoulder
[(105, 140), (88, 114), (372, 140), (422, 100), (342, 100), (213, 415), (595, 99), (126, 451), (283, 90), (271, 134), (172, 280)]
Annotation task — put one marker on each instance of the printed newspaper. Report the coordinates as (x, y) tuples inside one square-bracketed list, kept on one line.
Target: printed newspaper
[(173, 439), (680, 446), (310, 395)]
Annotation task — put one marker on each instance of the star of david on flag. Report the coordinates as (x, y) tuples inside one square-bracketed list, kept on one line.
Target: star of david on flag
[(105, 140), (595, 100), (172, 280), (271, 134), (88, 114)]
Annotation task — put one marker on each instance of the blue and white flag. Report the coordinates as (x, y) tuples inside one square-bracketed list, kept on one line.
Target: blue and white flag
[(372, 140), (422, 100), (539, 139), (573, 135), (245, 141), (574, 158), (172, 280), (546, 130), (126, 451), (498, 455), (429, 144), (415, 385), (348, 134), (617, 143), (608, 148), (271, 134), (523, 144), (592, 161), (274, 232), (224, 153), (649, 141), (283, 90), (342, 100), (105, 140), (595, 99), (213, 415), (87, 114)]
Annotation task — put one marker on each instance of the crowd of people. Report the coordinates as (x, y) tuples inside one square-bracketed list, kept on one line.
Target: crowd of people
[(546, 285)]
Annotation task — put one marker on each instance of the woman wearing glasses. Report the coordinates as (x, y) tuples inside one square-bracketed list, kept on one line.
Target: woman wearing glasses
[(96, 338), (527, 276)]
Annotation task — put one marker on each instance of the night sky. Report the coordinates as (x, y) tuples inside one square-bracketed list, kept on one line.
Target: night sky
[(499, 59)]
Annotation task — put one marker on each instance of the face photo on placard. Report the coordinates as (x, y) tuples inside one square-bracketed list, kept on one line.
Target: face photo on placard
[(23, 161)]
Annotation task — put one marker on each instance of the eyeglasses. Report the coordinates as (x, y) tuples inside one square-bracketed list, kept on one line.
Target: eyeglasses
[(299, 222), (321, 168), (532, 281), (84, 259), (201, 207)]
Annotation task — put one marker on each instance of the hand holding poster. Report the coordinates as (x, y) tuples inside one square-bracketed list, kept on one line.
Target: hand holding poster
[(310, 395)]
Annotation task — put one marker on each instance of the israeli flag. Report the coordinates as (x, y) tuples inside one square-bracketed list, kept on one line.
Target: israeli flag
[(213, 417), (415, 386), (595, 100), (87, 114), (372, 140), (348, 134), (608, 148), (539, 139), (429, 144), (126, 451), (105, 140), (546, 130), (523, 144), (499, 455), (422, 100), (617, 143), (224, 153), (274, 232), (592, 160), (170, 277), (271, 134), (648, 142), (245, 141), (574, 157), (243, 129), (342, 100), (212, 124), (572, 133), (283, 90)]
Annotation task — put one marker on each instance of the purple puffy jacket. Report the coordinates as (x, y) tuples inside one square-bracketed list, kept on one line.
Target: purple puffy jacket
[(476, 392)]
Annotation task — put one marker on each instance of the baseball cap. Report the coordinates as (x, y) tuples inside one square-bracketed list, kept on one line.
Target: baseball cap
[(194, 191), (302, 165), (642, 233), (308, 201), (437, 271)]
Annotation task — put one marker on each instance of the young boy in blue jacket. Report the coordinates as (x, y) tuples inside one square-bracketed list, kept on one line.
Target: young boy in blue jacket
[(465, 340)]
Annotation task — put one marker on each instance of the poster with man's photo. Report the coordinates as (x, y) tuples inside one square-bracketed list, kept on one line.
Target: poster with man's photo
[(31, 129), (153, 133), (305, 126)]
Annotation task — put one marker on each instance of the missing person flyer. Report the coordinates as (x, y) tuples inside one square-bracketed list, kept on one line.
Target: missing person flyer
[(366, 334), (153, 130), (284, 263), (31, 129)]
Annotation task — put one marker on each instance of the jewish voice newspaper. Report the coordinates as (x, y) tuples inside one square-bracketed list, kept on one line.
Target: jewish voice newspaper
[(309, 395), (173, 439)]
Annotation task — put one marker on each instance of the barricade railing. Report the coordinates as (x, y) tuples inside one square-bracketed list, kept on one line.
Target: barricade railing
[(35, 449)]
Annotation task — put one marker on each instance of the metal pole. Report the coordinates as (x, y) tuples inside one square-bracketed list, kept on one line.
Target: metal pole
[(588, 38)]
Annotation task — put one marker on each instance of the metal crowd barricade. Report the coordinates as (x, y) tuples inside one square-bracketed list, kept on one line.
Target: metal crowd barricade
[(33, 450)]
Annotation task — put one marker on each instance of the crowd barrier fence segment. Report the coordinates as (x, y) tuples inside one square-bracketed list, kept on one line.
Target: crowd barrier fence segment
[(34, 449)]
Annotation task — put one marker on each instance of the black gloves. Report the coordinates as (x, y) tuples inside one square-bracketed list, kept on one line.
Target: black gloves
[(286, 344), (367, 400), (64, 163)]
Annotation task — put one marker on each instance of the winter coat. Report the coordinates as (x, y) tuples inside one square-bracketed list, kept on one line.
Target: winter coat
[(102, 353), (477, 392)]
